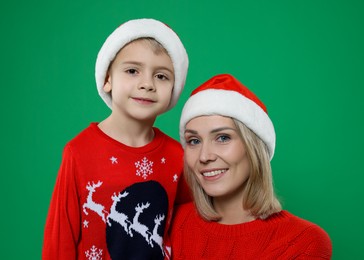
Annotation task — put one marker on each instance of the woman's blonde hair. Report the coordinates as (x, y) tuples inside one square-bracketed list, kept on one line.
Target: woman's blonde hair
[(258, 196)]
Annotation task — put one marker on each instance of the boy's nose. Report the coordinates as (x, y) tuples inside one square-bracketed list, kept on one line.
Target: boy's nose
[(147, 84)]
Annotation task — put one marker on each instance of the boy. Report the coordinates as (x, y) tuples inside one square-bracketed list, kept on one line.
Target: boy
[(118, 180)]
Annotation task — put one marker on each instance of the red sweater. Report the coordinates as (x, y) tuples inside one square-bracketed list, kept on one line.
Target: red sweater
[(111, 200), (281, 236)]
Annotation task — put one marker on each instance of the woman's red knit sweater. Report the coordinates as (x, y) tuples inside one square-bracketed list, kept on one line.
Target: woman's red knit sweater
[(281, 236)]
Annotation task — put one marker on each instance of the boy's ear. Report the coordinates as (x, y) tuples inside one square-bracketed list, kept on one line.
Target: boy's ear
[(107, 84)]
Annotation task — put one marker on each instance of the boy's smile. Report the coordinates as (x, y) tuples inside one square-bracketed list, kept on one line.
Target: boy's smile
[(144, 101)]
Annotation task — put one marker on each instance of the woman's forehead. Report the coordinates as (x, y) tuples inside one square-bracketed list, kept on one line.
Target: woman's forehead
[(210, 122)]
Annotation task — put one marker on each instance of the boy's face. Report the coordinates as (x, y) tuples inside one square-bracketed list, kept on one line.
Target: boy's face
[(141, 82)]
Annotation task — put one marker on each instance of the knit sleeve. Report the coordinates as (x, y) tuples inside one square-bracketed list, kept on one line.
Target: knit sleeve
[(178, 229), (319, 246), (183, 192), (62, 228)]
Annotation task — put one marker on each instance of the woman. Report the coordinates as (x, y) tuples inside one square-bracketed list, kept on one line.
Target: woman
[(229, 141)]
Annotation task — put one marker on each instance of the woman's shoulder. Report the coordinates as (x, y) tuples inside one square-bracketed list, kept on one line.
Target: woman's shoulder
[(303, 224), (293, 222), (307, 233)]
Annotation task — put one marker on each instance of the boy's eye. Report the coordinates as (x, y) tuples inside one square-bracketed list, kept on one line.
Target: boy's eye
[(131, 71), (162, 77)]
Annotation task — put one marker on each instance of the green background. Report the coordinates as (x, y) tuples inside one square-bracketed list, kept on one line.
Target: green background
[(304, 59)]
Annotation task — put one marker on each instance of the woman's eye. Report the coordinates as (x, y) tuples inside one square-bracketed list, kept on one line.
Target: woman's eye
[(192, 141), (223, 138)]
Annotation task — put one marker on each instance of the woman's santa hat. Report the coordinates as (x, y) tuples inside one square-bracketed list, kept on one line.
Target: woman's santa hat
[(143, 28), (224, 95)]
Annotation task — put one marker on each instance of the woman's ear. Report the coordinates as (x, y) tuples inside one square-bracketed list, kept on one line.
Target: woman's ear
[(107, 84)]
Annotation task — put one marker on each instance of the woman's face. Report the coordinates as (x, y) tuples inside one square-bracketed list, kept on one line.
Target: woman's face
[(216, 154)]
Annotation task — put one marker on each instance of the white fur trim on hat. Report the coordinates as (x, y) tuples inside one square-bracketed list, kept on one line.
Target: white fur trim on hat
[(140, 28), (230, 104)]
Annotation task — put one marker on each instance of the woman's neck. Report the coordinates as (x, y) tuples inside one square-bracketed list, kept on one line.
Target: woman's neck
[(232, 212)]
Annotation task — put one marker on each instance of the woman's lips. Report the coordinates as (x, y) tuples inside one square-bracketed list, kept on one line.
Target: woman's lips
[(213, 174)]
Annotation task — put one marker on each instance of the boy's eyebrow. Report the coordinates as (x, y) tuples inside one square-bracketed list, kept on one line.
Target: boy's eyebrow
[(133, 63), (137, 63)]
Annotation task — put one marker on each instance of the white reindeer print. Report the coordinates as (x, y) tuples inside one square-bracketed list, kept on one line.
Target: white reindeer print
[(90, 204), (155, 236), (118, 217), (139, 227)]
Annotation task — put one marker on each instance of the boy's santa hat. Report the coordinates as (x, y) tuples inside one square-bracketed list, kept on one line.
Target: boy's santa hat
[(142, 28), (226, 96)]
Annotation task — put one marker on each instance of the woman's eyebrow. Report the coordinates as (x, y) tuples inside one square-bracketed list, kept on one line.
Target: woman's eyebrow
[(190, 131), (222, 129), (216, 130)]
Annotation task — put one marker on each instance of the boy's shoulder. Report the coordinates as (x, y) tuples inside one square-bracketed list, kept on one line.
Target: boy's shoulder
[(84, 136), (170, 140), (92, 136)]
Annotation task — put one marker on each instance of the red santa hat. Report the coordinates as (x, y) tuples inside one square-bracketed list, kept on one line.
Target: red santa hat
[(141, 28), (224, 95)]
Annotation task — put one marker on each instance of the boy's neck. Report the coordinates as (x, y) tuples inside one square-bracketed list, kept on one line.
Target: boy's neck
[(133, 134)]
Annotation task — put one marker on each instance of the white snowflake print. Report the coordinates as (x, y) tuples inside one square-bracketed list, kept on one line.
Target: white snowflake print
[(175, 178), (163, 161), (114, 160), (144, 168), (85, 224), (94, 253)]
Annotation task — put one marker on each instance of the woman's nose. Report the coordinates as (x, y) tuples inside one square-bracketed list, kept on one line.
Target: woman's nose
[(207, 153)]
